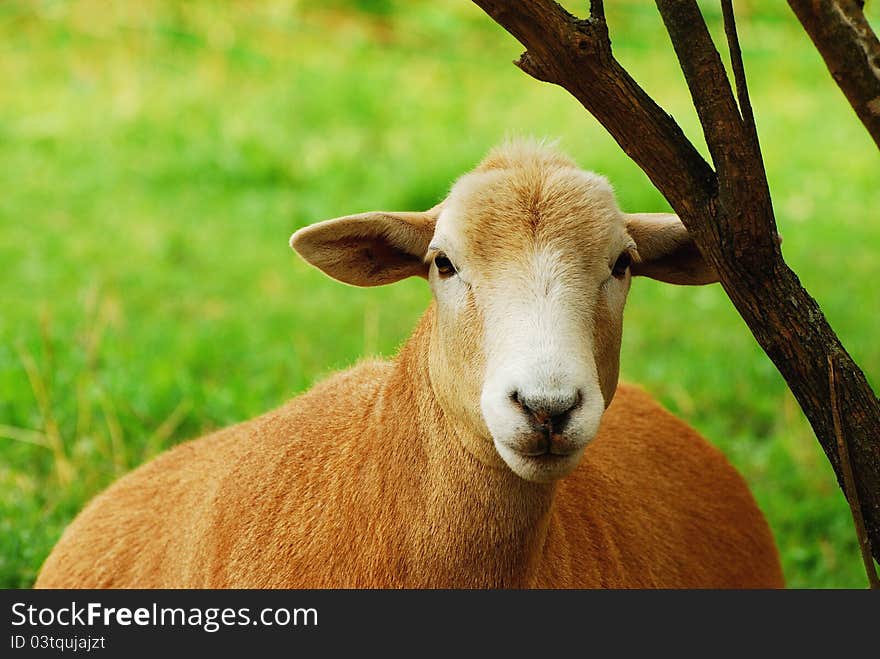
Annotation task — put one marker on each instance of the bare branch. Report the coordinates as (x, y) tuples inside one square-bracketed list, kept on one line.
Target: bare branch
[(851, 51), (739, 72), (576, 54), (744, 192), (849, 482), (707, 81)]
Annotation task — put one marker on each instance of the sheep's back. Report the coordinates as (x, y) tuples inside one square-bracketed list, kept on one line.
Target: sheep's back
[(201, 513)]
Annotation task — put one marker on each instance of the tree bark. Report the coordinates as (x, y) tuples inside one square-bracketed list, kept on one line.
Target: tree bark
[(851, 51), (729, 214)]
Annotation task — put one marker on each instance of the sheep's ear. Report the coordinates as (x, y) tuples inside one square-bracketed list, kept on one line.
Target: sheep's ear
[(369, 249), (666, 250)]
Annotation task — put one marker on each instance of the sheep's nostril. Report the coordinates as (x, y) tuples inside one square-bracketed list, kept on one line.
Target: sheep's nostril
[(549, 411), (555, 422), (514, 398)]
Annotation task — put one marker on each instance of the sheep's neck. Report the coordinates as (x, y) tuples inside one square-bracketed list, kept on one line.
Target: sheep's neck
[(480, 526)]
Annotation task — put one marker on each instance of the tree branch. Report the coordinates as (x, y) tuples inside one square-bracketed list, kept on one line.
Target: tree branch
[(851, 51), (730, 216), (747, 220), (576, 54), (849, 483), (739, 72)]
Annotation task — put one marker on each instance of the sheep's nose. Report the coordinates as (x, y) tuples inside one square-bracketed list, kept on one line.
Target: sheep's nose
[(549, 411)]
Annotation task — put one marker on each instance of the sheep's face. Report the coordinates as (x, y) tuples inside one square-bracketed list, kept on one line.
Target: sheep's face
[(529, 260), (530, 272)]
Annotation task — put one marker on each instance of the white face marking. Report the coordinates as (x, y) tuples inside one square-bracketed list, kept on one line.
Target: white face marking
[(539, 356)]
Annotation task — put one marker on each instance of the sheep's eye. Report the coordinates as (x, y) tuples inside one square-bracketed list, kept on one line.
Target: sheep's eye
[(621, 265), (444, 265)]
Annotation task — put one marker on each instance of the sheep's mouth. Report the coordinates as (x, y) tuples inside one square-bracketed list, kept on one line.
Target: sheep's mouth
[(541, 463), (546, 444), (549, 461), (549, 452)]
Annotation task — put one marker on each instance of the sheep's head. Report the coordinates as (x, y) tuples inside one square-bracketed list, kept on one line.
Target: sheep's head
[(530, 260)]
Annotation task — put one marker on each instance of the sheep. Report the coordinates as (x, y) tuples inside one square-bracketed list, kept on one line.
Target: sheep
[(496, 450)]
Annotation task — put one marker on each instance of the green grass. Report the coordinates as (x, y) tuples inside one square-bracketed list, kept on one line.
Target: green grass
[(156, 157)]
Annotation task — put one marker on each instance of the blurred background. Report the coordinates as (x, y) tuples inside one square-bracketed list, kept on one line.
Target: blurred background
[(155, 157)]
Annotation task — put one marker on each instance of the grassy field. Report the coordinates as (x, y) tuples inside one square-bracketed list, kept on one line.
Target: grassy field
[(155, 157)]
